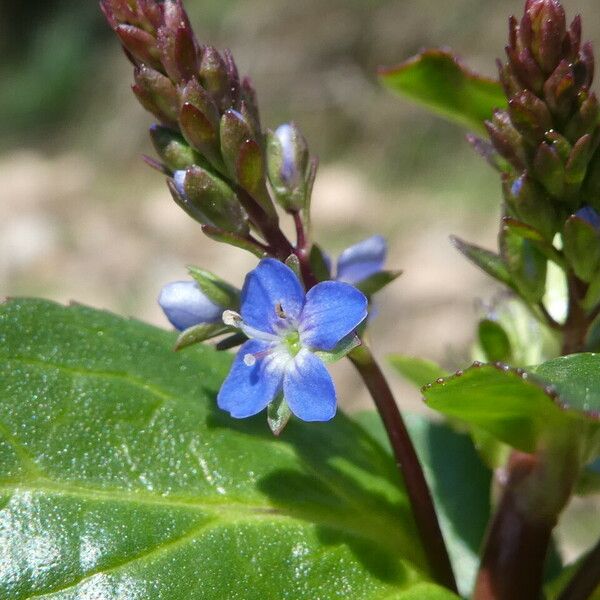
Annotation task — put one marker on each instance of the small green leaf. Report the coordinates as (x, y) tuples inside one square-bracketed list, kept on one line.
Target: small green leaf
[(293, 262), (278, 415), (371, 285), (527, 266), (438, 80), (582, 247), (418, 371), (200, 333), (494, 341), (121, 479), (537, 239), (556, 402), (460, 484), (489, 262), (216, 289), (342, 349), (319, 264)]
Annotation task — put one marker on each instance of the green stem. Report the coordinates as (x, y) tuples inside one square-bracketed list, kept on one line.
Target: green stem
[(409, 466)]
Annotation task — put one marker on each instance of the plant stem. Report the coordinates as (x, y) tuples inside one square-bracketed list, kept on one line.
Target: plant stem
[(586, 579), (302, 251), (577, 323), (512, 564), (408, 464)]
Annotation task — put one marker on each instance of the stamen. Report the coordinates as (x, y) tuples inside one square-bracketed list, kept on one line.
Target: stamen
[(231, 318), (250, 359), (279, 311)]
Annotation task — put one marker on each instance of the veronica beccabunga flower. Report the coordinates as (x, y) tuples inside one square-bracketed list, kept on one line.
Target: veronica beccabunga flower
[(287, 328)]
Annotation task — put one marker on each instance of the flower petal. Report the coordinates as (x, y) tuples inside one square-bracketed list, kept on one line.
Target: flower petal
[(270, 284), (362, 260), (249, 388), (332, 310), (185, 305), (308, 388)]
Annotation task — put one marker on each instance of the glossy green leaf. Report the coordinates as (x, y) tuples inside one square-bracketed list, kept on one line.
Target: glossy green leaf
[(559, 400), (460, 484), (418, 371), (121, 479), (438, 80)]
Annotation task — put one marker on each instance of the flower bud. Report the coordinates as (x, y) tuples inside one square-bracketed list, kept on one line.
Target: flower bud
[(211, 198), (156, 94), (185, 305), (172, 148), (548, 29), (214, 77), (287, 165)]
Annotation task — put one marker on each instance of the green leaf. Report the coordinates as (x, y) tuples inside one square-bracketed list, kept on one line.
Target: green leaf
[(418, 371), (216, 289), (439, 81), (560, 401), (376, 282), (346, 346), (494, 341), (489, 262), (121, 479), (527, 266), (200, 333), (582, 247), (460, 484)]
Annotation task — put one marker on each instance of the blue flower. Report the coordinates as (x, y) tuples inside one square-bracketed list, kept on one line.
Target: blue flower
[(286, 326), (362, 260), (185, 305), (588, 214)]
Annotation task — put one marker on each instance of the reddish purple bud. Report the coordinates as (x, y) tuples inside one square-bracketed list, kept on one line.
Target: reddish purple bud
[(576, 167), (530, 116), (549, 27), (200, 132), (506, 139), (157, 94), (140, 44), (526, 69), (560, 91), (214, 77)]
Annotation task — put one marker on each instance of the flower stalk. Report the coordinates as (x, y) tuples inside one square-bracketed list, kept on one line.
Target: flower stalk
[(408, 464)]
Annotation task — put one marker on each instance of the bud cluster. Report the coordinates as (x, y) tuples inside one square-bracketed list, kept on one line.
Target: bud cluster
[(209, 135), (546, 146)]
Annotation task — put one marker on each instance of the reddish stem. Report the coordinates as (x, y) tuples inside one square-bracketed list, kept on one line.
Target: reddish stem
[(409, 466), (512, 565), (586, 579)]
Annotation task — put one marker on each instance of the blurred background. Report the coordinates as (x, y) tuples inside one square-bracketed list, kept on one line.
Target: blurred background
[(83, 218)]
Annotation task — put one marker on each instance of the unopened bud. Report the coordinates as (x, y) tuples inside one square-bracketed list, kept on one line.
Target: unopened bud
[(287, 164), (172, 148), (215, 200), (548, 30)]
